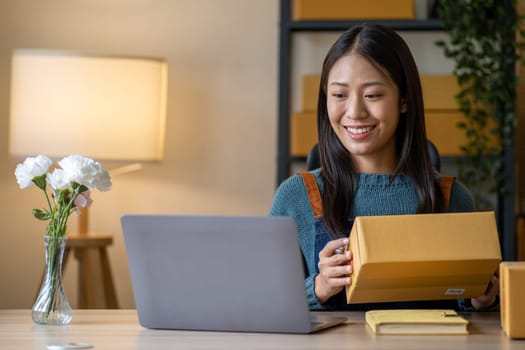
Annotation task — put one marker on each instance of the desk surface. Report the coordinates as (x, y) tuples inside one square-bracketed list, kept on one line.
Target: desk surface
[(119, 329)]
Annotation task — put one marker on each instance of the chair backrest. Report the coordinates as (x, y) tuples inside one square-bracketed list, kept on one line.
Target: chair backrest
[(313, 161)]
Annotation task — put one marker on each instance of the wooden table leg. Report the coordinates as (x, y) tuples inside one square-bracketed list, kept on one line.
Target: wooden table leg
[(107, 279)]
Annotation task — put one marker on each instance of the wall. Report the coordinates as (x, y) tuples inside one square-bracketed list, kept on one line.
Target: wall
[(221, 123)]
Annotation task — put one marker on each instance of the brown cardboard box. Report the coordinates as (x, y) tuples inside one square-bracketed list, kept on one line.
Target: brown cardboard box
[(439, 91), (422, 257), (303, 133), (442, 131), (352, 9), (512, 285), (310, 92)]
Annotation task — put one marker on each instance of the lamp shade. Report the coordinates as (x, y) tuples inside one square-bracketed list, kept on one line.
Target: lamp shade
[(104, 107)]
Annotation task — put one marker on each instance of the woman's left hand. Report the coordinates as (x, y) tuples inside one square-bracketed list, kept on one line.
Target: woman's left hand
[(489, 297)]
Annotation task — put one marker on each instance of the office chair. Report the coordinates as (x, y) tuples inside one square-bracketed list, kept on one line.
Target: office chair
[(313, 161)]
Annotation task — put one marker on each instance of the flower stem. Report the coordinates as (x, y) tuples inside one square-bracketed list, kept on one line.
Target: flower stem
[(47, 199)]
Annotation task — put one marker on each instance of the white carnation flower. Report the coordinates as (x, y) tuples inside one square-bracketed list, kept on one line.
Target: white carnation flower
[(31, 168), (103, 181), (85, 171), (58, 180)]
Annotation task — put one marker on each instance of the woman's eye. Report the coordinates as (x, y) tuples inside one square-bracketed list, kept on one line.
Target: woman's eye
[(372, 96), (337, 95)]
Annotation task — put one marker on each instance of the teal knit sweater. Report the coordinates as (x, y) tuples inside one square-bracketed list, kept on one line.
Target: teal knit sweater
[(375, 196)]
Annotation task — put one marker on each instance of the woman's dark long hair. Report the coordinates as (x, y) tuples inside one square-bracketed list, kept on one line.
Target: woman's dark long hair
[(388, 52)]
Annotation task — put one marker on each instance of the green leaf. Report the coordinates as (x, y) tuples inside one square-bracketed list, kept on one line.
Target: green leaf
[(42, 214), (461, 125)]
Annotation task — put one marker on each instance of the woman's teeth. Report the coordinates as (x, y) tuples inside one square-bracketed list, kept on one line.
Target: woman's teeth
[(359, 131)]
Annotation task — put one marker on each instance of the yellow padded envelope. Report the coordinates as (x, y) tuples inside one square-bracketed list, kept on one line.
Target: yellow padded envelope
[(422, 257)]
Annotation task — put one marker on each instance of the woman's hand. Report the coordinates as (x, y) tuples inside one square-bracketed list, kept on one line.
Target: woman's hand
[(334, 269), (489, 297)]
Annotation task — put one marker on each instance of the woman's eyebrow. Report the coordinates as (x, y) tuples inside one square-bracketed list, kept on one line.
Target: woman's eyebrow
[(337, 83), (369, 83)]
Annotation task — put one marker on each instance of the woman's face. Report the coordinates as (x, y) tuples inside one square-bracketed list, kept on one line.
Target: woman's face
[(363, 105)]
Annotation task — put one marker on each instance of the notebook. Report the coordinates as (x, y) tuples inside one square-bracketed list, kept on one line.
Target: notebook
[(416, 322), (219, 273)]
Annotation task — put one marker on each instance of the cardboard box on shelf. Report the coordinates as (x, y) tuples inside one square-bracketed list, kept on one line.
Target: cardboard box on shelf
[(439, 91), (442, 131), (303, 133), (310, 91), (352, 9)]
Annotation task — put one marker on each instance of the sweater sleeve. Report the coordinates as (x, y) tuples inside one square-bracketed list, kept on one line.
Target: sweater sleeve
[(313, 302)]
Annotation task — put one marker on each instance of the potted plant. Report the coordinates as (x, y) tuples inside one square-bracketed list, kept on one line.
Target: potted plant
[(485, 44)]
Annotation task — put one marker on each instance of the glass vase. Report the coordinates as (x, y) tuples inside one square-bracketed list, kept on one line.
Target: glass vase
[(51, 306)]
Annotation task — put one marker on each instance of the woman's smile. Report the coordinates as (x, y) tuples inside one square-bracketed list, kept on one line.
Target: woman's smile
[(359, 133)]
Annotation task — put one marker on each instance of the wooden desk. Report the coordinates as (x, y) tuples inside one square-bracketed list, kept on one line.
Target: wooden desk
[(119, 329)]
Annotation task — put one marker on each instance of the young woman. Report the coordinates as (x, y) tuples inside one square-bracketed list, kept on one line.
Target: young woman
[(374, 161)]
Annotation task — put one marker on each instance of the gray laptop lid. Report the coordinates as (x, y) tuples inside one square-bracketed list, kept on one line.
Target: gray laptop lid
[(217, 273)]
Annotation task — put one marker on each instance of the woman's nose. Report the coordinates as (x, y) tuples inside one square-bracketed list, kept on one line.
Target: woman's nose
[(355, 108)]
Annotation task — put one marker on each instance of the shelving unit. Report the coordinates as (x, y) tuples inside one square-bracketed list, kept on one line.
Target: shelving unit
[(505, 210)]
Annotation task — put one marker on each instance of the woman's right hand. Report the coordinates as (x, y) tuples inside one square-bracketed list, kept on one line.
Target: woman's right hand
[(334, 269)]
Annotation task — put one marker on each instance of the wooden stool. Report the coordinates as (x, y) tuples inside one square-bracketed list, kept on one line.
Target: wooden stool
[(81, 244)]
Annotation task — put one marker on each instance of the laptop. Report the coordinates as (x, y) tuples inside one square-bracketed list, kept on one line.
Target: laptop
[(219, 273)]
